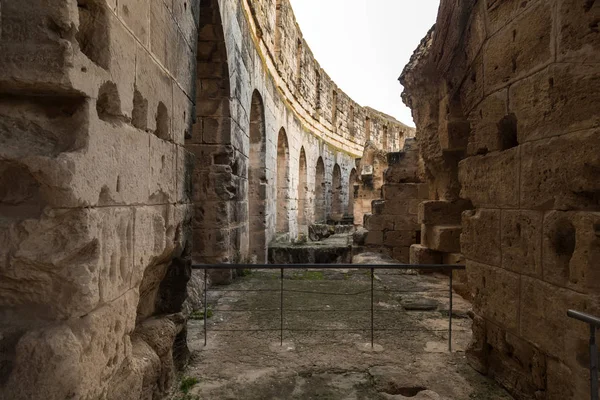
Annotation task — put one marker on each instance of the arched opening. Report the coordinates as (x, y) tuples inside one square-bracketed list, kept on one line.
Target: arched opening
[(320, 203), (283, 183), (352, 192), (257, 182), (214, 239), (337, 206), (302, 195)]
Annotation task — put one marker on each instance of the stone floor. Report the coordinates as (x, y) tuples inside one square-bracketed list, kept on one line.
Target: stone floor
[(409, 360)]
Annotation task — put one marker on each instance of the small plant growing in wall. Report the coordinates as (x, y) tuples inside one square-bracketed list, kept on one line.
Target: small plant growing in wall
[(199, 314)]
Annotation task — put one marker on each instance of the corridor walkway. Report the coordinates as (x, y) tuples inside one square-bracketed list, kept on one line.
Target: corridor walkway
[(326, 352)]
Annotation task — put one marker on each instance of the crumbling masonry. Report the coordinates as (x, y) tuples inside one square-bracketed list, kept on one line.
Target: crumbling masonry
[(505, 95), (135, 137)]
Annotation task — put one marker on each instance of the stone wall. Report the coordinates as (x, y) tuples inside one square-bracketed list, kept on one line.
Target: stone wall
[(392, 222), (94, 198), (505, 97), (137, 136)]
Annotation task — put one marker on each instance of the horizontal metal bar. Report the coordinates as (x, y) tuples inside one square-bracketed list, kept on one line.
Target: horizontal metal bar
[(399, 310), (590, 319), (338, 330), (329, 266)]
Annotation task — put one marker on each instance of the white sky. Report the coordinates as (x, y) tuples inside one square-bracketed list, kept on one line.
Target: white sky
[(364, 44)]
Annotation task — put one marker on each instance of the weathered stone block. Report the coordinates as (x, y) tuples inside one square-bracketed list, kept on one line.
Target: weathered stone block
[(440, 212), (569, 184), (480, 237), (577, 37), (486, 134), (491, 180), (570, 249), (543, 309), (519, 47), (495, 294), (420, 254), (399, 238), (443, 238), (556, 100), (522, 241), (136, 15), (401, 254), (374, 238)]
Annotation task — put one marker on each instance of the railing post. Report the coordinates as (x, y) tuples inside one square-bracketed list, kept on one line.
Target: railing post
[(281, 311), (450, 316), (593, 363), (372, 304), (205, 303)]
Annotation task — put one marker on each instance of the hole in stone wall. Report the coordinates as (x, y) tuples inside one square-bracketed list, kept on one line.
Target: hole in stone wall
[(588, 5), (108, 104), (93, 31), (162, 121), (507, 132), (140, 111), (563, 240)]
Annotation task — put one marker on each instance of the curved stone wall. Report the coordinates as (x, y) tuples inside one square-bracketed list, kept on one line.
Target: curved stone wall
[(135, 136)]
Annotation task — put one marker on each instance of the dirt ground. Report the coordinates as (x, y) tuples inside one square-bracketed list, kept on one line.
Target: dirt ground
[(326, 351)]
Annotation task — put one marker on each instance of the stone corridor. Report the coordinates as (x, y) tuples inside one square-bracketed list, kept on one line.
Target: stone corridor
[(141, 137), (243, 358)]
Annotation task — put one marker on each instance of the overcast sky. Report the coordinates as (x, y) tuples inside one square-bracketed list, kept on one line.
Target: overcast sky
[(364, 44)]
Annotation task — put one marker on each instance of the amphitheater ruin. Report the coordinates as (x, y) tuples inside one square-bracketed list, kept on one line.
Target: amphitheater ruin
[(139, 138)]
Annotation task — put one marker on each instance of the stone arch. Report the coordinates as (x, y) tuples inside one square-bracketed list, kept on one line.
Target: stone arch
[(351, 192), (337, 206), (283, 182), (302, 195), (210, 144), (257, 181), (320, 203)]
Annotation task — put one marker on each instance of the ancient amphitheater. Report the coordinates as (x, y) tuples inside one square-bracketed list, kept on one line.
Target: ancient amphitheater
[(139, 137)]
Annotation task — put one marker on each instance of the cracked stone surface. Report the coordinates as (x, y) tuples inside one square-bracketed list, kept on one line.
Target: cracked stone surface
[(409, 359)]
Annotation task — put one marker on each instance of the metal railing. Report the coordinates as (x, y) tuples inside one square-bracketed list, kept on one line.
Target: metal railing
[(371, 267), (594, 324)]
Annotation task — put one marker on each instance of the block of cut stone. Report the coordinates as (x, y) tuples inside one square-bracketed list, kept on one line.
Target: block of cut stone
[(444, 238), (420, 254)]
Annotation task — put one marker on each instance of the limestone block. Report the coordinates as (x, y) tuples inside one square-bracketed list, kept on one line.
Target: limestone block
[(515, 363), (491, 180), (454, 258), (420, 254), (454, 135), (577, 38), (443, 238), (163, 31), (122, 65), (404, 222), (374, 238), (556, 100), (399, 238), (163, 166), (186, 16), (136, 15), (182, 120), (519, 47), (502, 12), (210, 243), (440, 212), (31, 53), (154, 86), (378, 223), (567, 381), (404, 191), (39, 260), (571, 183), (471, 90), (521, 235), (570, 249), (495, 294), (70, 356), (396, 207), (183, 176), (480, 237), (401, 254), (485, 135), (180, 60), (543, 309)]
